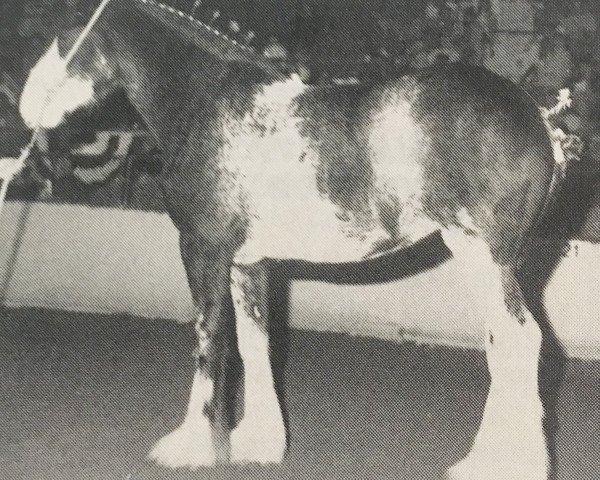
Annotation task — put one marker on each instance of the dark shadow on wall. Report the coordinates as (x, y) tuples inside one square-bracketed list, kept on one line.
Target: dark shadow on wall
[(399, 263)]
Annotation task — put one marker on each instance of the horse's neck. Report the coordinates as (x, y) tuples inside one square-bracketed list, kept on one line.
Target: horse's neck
[(165, 101), (157, 114), (165, 81)]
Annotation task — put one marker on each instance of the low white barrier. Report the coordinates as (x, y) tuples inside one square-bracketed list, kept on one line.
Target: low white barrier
[(118, 261)]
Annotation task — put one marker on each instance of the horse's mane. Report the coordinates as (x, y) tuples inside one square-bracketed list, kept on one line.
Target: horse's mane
[(191, 30)]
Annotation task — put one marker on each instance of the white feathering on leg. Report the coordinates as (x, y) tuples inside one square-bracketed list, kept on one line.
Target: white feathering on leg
[(260, 437), (190, 445), (510, 443)]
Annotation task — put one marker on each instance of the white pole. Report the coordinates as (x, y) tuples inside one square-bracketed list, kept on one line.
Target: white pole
[(17, 166), (5, 182)]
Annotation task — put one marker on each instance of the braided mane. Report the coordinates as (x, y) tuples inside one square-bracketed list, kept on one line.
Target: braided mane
[(204, 36)]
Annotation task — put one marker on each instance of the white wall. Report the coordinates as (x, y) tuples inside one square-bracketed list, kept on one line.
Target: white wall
[(117, 261)]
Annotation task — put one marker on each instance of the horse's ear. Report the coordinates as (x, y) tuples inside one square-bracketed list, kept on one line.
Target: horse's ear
[(54, 50), (51, 56)]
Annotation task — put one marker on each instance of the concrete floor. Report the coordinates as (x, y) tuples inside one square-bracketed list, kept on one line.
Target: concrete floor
[(84, 397)]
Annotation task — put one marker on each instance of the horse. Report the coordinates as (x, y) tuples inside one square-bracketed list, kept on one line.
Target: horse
[(259, 167)]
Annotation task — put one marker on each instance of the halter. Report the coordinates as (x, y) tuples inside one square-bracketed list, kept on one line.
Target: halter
[(9, 167)]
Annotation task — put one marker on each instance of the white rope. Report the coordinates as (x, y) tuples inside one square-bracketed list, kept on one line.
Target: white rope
[(9, 167), (85, 32)]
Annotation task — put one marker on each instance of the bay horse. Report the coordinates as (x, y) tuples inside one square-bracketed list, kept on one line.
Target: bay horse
[(258, 167)]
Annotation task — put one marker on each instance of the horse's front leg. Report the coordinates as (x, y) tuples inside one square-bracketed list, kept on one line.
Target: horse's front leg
[(261, 435), (203, 437)]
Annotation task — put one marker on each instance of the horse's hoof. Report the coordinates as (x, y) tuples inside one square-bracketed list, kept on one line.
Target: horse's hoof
[(252, 442), (472, 468), (185, 447), (460, 472)]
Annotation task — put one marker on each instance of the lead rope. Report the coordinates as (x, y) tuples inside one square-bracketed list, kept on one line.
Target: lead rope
[(9, 167)]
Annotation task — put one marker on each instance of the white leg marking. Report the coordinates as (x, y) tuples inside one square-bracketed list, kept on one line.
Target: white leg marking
[(260, 437), (510, 443), (191, 444)]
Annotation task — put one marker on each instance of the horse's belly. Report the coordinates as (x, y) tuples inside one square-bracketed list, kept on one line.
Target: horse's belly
[(307, 227), (291, 219)]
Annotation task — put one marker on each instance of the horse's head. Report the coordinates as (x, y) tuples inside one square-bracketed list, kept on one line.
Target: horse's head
[(56, 88), (142, 46)]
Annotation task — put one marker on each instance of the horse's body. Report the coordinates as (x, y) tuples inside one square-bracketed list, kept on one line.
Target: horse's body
[(258, 167), (355, 171)]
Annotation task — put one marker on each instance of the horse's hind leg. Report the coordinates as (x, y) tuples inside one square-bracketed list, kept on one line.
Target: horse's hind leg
[(510, 443), (203, 437), (261, 435)]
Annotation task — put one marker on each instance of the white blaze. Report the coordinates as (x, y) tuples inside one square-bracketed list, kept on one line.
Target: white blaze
[(49, 94)]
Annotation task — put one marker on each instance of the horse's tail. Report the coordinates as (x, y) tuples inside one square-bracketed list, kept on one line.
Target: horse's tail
[(566, 148), (560, 163)]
